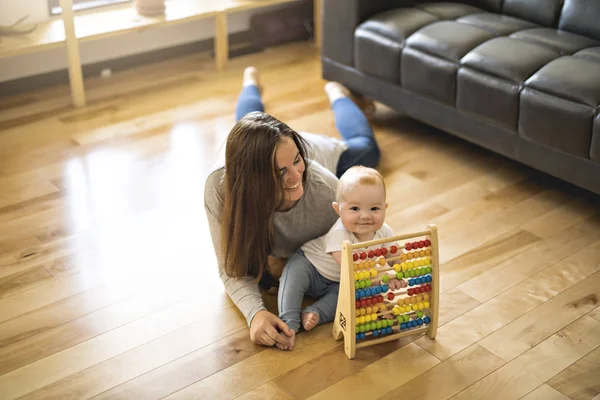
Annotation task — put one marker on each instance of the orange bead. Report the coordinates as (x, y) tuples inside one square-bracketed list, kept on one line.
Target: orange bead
[(403, 257)]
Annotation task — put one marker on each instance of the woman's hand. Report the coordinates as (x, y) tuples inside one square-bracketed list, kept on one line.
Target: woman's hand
[(267, 329)]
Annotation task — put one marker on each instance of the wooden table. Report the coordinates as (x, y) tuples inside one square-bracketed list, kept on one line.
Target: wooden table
[(71, 29)]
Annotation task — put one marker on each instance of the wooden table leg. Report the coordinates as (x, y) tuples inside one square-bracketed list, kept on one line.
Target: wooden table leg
[(74, 61), (221, 41)]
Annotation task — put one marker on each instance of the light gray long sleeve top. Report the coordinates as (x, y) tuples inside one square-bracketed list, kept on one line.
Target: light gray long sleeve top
[(310, 218)]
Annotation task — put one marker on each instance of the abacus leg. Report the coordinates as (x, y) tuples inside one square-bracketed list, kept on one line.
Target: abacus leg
[(337, 331), (349, 347)]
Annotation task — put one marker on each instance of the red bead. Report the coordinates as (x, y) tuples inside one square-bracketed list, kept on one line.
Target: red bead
[(421, 289), (415, 245), (370, 301), (427, 288), (377, 252), (421, 243), (357, 303), (427, 242), (408, 246), (355, 257), (363, 303), (410, 292), (394, 249), (371, 254), (390, 296), (383, 251), (380, 299), (363, 255)]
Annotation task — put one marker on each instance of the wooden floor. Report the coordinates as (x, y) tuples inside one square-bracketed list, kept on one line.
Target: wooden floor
[(108, 283)]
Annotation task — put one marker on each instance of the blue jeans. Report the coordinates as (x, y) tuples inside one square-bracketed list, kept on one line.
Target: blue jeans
[(350, 121), (300, 277)]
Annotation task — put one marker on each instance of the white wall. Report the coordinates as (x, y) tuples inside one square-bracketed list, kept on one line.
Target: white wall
[(102, 49)]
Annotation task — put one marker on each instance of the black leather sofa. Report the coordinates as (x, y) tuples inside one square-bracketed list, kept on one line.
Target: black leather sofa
[(519, 77)]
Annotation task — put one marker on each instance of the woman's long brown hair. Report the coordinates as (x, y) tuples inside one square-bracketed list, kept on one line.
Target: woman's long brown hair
[(254, 190)]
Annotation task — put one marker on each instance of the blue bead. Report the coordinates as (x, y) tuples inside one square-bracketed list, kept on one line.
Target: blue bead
[(410, 282), (421, 280), (429, 278), (358, 336), (413, 323), (419, 322), (384, 288), (375, 333), (402, 326), (427, 320), (388, 330)]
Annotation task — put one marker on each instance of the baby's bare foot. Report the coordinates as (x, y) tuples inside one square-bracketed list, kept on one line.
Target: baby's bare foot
[(335, 91), (309, 320), (292, 343)]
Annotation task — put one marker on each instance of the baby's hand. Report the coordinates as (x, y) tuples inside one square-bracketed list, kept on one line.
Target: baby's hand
[(396, 284)]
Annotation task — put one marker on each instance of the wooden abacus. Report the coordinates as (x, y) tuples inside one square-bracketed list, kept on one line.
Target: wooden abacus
[(364, 290)]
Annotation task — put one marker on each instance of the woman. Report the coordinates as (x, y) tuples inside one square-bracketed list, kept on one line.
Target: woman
[(275, 193)]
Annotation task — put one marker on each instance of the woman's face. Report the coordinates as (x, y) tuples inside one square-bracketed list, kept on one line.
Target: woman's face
[(290, 166)]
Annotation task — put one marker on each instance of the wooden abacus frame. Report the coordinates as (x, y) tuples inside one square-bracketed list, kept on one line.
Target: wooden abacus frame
[(344, 323)]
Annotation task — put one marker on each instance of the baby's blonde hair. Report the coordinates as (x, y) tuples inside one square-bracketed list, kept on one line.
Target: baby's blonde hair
[(358, 175)]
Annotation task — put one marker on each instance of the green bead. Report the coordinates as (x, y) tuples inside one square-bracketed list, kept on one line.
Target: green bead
[(400, 319), (411, 273), (399, 274), (367, 282), (362, 284), (385, 278), (379, 324), (406, 317), (420, 314), (423, 271), (356, 285), (429, 269), (361, 328), (373, 326), (384, 323)]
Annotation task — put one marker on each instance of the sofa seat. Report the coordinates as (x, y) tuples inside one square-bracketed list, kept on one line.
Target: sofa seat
[(431, 57), (501, 25), (559, 103), (491, 76), (564, 42), (593, 53)]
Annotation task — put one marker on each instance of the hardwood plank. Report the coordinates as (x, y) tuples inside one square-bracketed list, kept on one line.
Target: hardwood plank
[(545, 392), (39, 334), (516, 302), (595, 313), (481, 259), (542, 322), (147, 357), (261, 368), (525, 373), (186, 370), (267, 391), (453, 304), (450, 376), (368, 382), (58, 366), (25, 280), (332, 367), (580, 380), (492, 282)]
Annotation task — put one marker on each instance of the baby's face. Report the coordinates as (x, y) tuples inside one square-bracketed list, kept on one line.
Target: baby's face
[(362, 209)]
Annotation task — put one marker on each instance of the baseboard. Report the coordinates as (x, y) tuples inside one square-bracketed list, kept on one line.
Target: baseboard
[(239, 43)]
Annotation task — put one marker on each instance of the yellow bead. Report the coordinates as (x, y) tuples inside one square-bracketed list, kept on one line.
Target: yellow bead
[(397, 267), (396, 310), (356, 276), (426, 304), (404, 266), (367, 318), (373, 317), (403, 257), (373, 272), (361, 320), (415, 307), (381, 261), (428, 260), (410, 265)]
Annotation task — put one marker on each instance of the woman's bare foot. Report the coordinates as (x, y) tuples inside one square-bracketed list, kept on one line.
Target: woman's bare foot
[(309, 320), (291, 346), (251, 77), (336, 91)]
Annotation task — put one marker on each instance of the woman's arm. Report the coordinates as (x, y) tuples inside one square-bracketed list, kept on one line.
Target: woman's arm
[(243, 291)]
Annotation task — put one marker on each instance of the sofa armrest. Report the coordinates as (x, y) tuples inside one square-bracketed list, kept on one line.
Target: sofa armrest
[(341, 17)]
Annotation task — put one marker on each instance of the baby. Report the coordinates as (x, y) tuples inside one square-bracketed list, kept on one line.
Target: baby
[(315, 268)]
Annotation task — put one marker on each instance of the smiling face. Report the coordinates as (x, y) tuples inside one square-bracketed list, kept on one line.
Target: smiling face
[(362, 209), (290, 166)]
